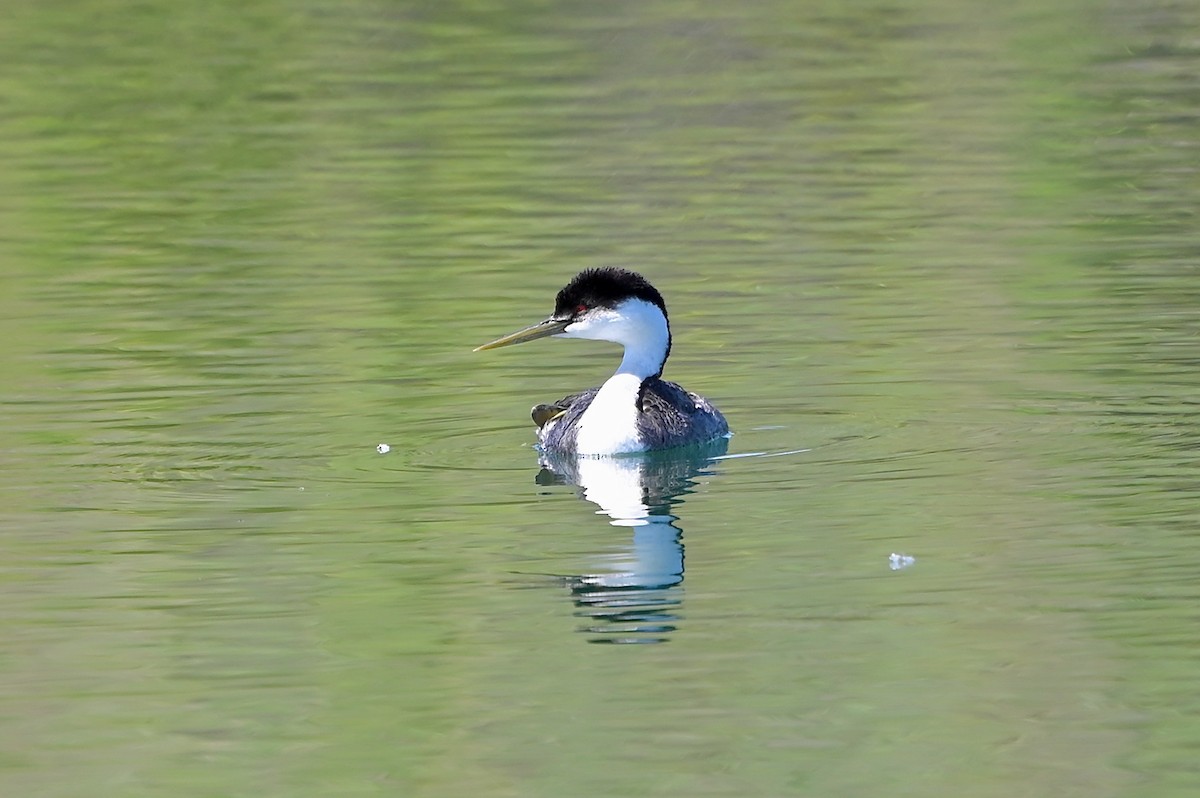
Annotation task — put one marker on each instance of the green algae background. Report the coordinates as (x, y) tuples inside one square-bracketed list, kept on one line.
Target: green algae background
[(936, 262)]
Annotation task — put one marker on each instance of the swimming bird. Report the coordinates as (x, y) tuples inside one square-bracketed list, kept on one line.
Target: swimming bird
[(635, 410)]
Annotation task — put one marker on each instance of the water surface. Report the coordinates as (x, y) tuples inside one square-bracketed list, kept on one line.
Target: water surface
[(937, 265)]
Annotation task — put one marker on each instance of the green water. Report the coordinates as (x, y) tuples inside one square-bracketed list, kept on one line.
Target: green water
[(938, 264)]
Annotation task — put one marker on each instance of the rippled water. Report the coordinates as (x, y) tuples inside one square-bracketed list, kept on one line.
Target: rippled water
[(937, 264)]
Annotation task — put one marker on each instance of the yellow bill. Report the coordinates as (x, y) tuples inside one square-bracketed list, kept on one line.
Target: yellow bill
[(543, 329)]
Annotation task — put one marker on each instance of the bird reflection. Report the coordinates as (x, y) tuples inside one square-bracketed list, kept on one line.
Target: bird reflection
[(636, 596)]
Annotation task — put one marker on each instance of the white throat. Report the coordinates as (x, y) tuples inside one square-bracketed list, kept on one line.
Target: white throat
[(609, 425)]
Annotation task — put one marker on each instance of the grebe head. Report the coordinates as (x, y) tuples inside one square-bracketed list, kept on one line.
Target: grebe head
[(607, 305)]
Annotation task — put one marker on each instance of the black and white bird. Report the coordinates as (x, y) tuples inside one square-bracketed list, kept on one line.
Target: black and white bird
[(635, 410)]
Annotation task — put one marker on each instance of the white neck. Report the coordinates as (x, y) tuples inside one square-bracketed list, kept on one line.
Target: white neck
[(635, 324), (609, 425)]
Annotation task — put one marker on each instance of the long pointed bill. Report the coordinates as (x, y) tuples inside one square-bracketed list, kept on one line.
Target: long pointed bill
[(542, 329)]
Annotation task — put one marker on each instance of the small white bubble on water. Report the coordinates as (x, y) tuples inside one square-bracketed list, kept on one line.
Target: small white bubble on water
[(383, 448)]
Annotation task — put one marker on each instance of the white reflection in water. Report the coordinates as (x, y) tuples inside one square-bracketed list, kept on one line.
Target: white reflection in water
[(636, 598)]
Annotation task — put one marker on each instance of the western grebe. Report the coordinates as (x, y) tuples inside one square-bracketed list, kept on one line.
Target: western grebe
[(635, 410)]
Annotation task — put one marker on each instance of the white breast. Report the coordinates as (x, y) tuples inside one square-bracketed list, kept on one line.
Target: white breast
[(609, 425)]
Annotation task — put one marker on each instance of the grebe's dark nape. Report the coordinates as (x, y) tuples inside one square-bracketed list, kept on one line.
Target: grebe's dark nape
[(635, 410)]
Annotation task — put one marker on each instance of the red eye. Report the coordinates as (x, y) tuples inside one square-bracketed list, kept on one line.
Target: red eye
[(580, 309)]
